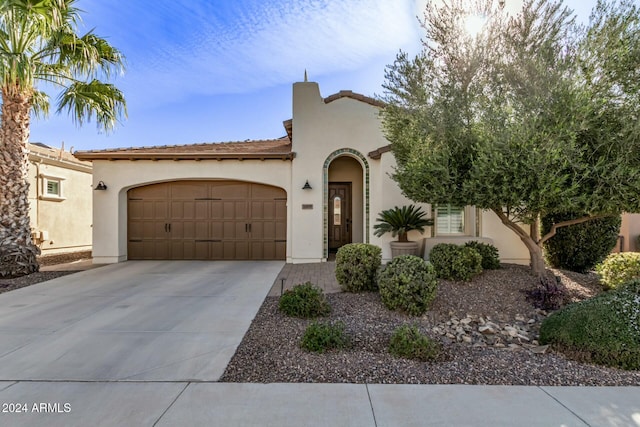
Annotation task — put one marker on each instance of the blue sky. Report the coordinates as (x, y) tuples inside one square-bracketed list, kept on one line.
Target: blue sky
[(222, 70)]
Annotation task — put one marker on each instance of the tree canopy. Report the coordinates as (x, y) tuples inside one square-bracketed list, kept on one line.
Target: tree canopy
[(531, 115)]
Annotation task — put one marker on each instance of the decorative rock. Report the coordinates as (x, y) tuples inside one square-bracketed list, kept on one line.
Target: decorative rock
[(487, 330), (542, 349), (513, 332), (466, 338)]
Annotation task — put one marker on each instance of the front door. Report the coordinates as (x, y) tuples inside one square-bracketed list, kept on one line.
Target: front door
[(339, 214)]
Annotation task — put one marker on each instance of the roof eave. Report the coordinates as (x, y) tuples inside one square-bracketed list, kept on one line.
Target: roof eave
[(90, 156)]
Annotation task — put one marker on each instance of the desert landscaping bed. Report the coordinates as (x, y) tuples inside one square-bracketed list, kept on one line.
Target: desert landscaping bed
[(487, 328), (10, 284)]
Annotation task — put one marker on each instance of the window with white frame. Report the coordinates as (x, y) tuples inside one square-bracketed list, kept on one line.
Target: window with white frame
[(449, 220), (52, 187)]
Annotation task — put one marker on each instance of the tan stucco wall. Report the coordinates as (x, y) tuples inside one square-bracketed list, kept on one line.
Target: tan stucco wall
[(320, 129), (629, 230), (509, 245), (110, 206), (64, 223)]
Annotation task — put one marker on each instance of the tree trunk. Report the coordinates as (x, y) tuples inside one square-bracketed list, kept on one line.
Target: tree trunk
[(17, 251), (531, 241)]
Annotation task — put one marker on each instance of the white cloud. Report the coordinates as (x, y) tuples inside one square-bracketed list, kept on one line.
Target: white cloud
[(182, 48)]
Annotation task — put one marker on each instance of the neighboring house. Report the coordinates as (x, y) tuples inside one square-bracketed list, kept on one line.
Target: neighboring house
[(296, 198), (60, 196)]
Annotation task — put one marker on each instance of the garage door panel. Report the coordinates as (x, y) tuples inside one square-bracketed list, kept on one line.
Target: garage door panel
[(207, 220), (235, 250), (189, 249), (154, 191), (229, 190), (235, 210), (260, 191), (281, 230), (281, 209), (189, 190)]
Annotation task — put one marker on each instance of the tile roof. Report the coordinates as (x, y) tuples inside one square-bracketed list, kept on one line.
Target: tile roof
[(38, 150), (240, 150), (353, 95)]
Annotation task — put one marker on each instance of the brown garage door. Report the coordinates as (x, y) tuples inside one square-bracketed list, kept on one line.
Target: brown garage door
[(207, 220)]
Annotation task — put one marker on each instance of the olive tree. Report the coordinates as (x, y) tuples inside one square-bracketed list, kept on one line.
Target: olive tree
[(531, 115)]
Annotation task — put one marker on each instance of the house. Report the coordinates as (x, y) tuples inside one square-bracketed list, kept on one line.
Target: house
[(60, 200), (297, 198)]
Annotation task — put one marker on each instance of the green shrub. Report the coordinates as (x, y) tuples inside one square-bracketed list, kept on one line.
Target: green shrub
[(357, 265), (409, 284), (305, 300), (619, 268), (488, 252), (455, 262), (603, 330), (579, 247), (320, 337), (408, 342)]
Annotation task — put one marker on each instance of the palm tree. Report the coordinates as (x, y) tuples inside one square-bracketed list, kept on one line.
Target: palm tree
[(39, 44)]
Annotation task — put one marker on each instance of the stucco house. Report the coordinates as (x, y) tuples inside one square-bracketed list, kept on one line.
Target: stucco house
[(296, 198), (60, 200)]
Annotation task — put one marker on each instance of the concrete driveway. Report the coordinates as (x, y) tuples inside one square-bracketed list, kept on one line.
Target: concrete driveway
[(137, 321)]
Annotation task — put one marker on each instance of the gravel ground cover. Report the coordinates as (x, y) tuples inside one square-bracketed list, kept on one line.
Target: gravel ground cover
[(270, 350), (7, 285)]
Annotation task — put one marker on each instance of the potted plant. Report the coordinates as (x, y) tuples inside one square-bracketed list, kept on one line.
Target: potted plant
[(398, 222)]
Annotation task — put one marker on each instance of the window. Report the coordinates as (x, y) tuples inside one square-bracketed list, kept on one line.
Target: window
[(337, 210), (449, 220), (52, 188)]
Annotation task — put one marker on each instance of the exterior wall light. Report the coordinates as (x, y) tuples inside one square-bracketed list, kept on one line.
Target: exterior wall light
[(307, 186), (101, 186)]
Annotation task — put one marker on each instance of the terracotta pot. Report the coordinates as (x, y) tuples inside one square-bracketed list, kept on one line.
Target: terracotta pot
[(404, 248)]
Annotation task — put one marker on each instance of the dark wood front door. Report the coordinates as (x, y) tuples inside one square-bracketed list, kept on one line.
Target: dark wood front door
[(339, 214)]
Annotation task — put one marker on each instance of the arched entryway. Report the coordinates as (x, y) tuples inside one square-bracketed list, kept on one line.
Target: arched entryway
[(346, 201), (207, 220)]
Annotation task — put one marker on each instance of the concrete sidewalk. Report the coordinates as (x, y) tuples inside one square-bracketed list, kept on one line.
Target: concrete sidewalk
[(374, 405)]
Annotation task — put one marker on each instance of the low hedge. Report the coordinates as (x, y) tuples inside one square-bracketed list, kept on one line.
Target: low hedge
[(409, 343), (357, 266), (408, 283), (305, 300), (604, 329), (619, 268), (455, 262)]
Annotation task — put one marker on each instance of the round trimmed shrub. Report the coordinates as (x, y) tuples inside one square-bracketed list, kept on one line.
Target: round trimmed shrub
[(455, 262), (408, 283), (579, 247), (306, 300), (408, 342), (489, 254), (619, 268), (604, 329), (320, 337), (357, 266)]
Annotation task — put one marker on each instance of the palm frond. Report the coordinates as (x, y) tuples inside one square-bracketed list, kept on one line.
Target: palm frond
[(399, 221), (40, 104), (86, 101)]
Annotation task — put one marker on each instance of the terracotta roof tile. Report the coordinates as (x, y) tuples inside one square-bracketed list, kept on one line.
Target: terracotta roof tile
[(353, 95), (43, 151), (255, 149)]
